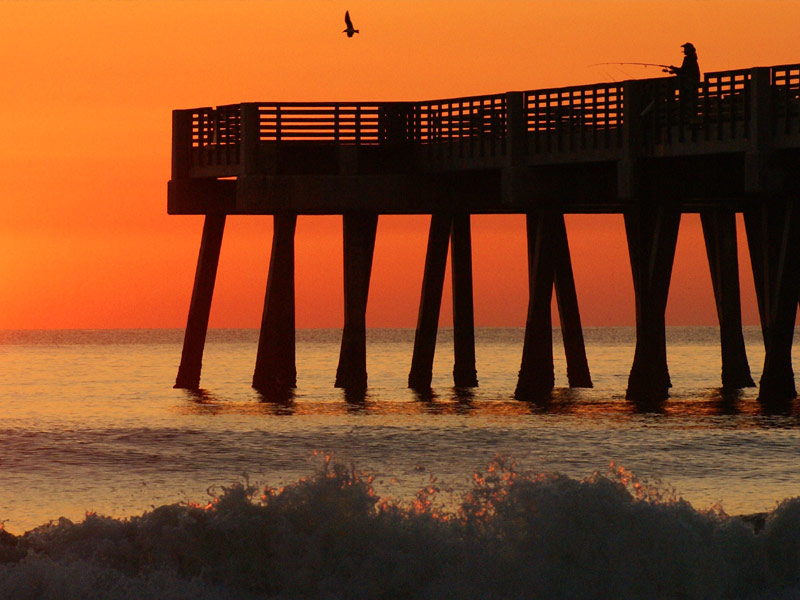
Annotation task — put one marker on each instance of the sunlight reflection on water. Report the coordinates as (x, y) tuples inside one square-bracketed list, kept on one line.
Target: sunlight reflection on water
[(90, 420)]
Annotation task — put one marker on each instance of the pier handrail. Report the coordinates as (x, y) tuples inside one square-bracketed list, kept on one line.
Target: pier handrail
[(556, 120), (575, 118), (724, 104), (785, 83), (719, 111), (343, 123), (468, 126), (215, 135)]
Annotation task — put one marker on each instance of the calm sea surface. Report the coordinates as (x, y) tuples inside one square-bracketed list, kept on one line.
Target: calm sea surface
[(89, 421)]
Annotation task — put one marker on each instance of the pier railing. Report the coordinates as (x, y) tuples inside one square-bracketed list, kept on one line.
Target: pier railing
[(215, 137), (587, 117), (718, 110), (323, 122), (785, 85), (473, 127), (576, 122)]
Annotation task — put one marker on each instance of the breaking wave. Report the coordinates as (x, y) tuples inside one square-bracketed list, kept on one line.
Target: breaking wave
[(514, 534)]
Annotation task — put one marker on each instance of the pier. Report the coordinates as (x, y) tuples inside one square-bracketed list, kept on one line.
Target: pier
[(635, 148)]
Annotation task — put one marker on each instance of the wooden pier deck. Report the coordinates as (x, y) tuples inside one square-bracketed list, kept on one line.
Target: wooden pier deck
[(636, 148)]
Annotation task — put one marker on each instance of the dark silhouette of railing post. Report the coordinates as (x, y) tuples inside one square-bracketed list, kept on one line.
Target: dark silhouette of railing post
[(719, 231), (181, 144), (516, 147), (421, 373), (359, 231), (250, 142), (464, 373), (760, 146), (629, 184), (257, 159), (652, 233), (275, 368)]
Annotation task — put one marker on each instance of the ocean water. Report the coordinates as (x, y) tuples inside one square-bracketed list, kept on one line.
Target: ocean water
[(115, 485)]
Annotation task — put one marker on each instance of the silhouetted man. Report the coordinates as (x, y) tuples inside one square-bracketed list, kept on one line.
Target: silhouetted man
[(688, 80)]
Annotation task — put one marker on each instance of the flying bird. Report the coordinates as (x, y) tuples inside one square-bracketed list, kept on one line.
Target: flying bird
[(350, 29)]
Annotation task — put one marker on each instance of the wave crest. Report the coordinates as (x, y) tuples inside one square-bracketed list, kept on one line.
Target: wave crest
[(515, 534)]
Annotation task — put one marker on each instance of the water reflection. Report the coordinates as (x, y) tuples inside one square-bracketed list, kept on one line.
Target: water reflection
[(649, 406), (464, 398), (713, 407), (356, 399), (786, 411), (278, 400), (203, 402), (454, 401), (464, 394), (781, 407), (424, 395), (560, 401), (725, 401)]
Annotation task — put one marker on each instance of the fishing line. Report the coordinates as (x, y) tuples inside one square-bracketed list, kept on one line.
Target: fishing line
[(665, 68)]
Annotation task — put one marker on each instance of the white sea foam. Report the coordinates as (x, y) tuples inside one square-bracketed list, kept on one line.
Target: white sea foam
[(515, 535)]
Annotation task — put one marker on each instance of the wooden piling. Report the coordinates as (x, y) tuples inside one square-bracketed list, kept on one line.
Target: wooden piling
[(464, 372), (275, 368), (773, 236), (200, 307), (569, 315), (652, 233), (421, 373), (719, 231), (536, 374), (359, 231)]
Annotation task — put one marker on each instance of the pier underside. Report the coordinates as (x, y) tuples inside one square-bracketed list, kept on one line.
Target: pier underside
[(583, 188)]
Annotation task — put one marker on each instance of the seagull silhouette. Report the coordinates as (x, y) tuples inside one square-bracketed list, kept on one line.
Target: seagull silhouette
[(350, 30)]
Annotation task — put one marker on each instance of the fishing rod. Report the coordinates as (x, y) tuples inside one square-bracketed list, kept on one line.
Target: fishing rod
[(665, 68)]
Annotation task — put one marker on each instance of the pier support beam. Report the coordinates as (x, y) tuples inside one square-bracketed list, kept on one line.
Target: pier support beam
[(200, 307), (464, 373), (773, 235), (359, 247), (430, 304), (275, 369), (652, 234), (536, 374), (549, 264), (719, 231), (569, 315)]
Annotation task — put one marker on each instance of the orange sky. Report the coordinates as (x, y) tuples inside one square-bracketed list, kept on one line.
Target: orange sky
[(87, 90)]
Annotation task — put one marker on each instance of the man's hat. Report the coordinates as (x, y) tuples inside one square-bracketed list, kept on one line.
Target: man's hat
[(688, 46)]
